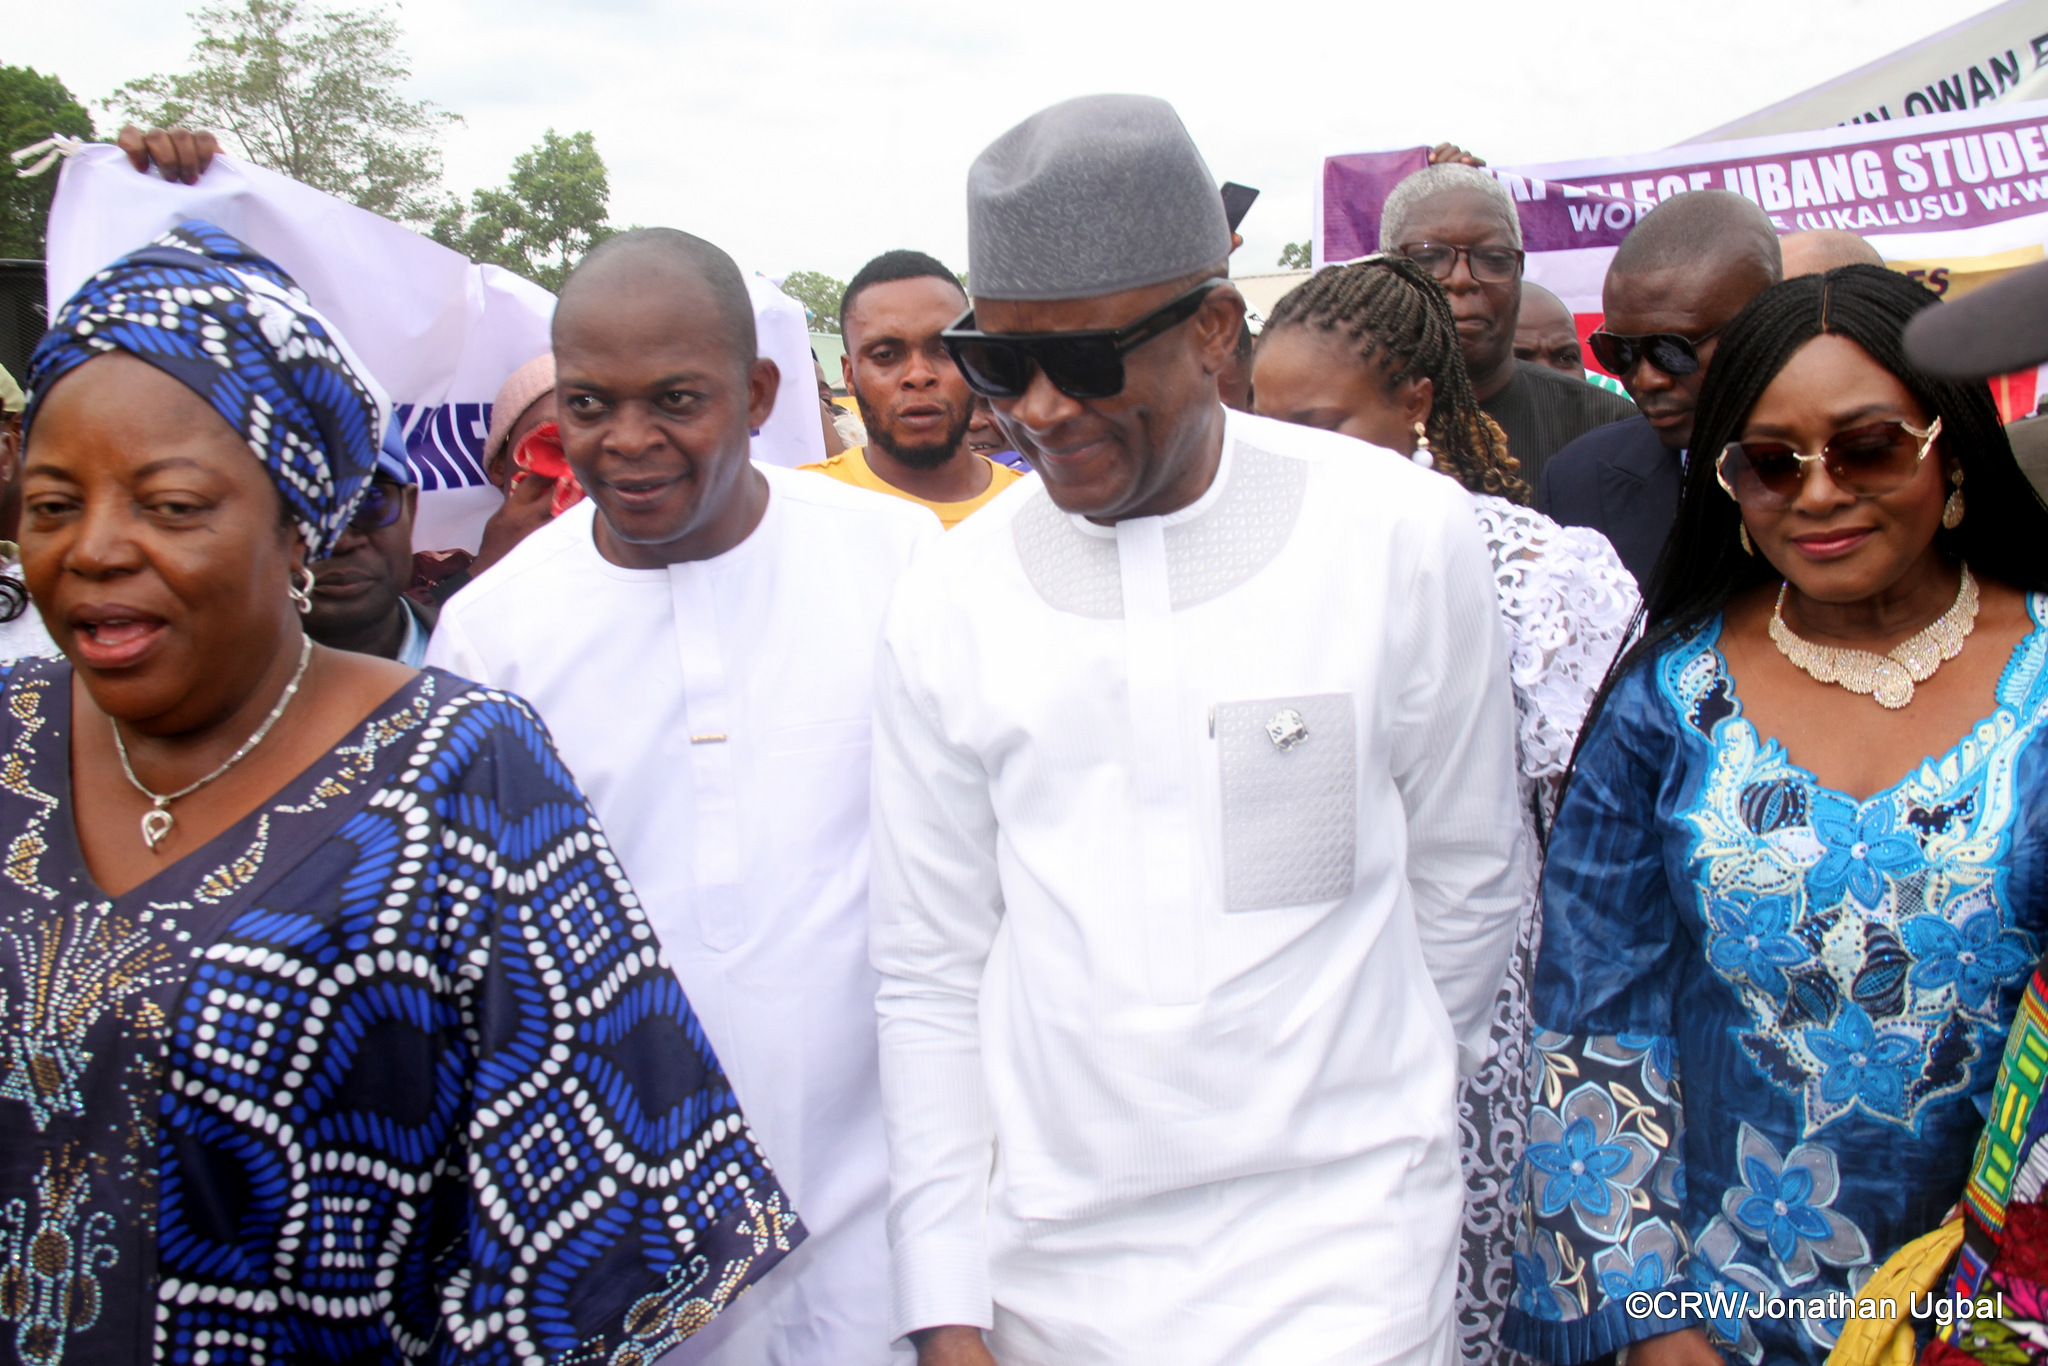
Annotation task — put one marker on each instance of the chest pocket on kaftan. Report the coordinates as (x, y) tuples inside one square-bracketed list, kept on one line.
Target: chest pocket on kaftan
[(1289, 770)]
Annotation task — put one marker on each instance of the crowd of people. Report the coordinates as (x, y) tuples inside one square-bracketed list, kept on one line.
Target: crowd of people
[(1371, 842)]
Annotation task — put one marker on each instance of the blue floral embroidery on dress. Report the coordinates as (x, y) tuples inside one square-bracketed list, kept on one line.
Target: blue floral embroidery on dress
[(1578, 1160), (1730, 1286), (1646, 1262), (1784, 1204), (1855, 1004), (1533, 1290), (1779, 1209), (1832, 976), (1579, 1168), (1751, 941), (1862, 847), (1861, 1064), (1619, 1050), (1976, 959)]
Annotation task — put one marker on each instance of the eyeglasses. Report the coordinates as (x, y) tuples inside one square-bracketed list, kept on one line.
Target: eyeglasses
[(1676, 356), (1489, 265), (1869, 461), (382, 504), (1081, 365)]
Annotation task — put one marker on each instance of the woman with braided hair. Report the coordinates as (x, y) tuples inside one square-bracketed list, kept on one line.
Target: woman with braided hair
[(1371, 350), (1801, 863)]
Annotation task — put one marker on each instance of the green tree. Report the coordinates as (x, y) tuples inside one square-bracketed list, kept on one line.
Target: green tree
[(311, 93), (32, 106), (819, 294), (550, 212), (1295, 256)]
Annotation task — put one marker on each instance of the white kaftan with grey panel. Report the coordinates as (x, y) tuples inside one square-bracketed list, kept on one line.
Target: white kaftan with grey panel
[(1196, 871)]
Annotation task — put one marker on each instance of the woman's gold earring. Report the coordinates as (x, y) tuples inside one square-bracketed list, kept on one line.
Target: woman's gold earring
[(1952, 510), (1423, 455), (301, 590), (1742, 535)]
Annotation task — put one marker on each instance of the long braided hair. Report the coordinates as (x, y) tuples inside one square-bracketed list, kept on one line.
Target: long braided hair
[(1400, 319), (2003, 537)]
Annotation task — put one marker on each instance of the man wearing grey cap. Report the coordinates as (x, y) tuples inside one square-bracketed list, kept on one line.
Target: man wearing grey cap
[(1194, 837)]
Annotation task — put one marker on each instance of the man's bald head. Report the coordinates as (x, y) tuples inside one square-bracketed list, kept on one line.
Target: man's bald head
[(1712, 228), (1817, 251), (649, 257), (1546, 332), (1687, 269), (657, 392)]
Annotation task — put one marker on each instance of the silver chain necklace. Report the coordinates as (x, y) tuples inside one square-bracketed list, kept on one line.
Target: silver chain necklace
[(157, 821)]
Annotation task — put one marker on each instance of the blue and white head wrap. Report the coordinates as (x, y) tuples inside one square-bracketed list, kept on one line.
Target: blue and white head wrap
[(233, 327)]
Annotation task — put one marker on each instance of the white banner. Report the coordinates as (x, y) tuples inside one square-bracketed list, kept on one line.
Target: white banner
[(2000, 55), (439, 332)]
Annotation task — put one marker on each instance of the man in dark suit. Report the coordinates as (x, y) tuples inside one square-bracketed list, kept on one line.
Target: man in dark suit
[(1680, 277)]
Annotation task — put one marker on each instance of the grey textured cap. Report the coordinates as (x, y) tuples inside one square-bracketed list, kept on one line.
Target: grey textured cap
[(1092, 196), (1990, 331)]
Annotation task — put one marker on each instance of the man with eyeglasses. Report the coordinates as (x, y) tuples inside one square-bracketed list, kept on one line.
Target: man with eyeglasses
[(359, 600), (1195, 835), (1678, 279), (1459, 223)]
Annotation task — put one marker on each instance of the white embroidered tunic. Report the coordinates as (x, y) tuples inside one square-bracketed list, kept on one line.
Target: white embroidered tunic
[(1566, 601), (1196, 869), (717, 713)]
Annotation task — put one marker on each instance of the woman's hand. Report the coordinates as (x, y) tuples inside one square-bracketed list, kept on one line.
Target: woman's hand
[(1686, 1347), (178, 153), (953, 1346)]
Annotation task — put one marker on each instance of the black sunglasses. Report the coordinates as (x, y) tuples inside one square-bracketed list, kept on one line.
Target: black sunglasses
[(382, 505), (1081, 365), (1676, 356)]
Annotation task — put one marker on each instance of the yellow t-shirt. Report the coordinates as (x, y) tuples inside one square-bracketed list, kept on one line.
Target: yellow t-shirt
[(851, 467)]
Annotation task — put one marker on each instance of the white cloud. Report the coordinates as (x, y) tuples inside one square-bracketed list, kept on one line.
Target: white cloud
[(813, 134)]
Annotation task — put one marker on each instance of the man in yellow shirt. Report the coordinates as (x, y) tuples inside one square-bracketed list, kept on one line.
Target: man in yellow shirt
[(912, 399)]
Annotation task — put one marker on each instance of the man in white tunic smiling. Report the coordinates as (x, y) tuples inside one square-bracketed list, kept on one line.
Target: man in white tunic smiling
[(1195, 822), (699, 635)]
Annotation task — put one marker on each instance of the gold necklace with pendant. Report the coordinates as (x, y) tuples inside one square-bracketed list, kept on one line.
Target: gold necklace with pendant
[(1889, 677)]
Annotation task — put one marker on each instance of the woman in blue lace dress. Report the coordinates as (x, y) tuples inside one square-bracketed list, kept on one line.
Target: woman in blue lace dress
[(1800, 872), (330, 1030)]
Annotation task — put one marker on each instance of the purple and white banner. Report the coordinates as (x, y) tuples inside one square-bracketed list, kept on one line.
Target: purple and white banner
[(1956, 199)]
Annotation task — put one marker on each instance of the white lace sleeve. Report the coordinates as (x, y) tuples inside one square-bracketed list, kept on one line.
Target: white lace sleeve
[(1566, 601)]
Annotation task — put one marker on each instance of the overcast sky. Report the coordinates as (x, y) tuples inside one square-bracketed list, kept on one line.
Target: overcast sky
[(811, 135)]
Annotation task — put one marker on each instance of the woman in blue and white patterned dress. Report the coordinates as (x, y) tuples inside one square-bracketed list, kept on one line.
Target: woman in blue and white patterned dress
[(1800, 872)]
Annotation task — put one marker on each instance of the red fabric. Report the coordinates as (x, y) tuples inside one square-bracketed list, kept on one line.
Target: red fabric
[(1939, 1353), (2014, 394), (2023, 1248), (540, 456), (430, 567)]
